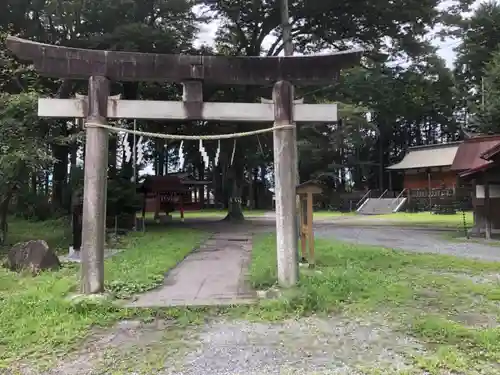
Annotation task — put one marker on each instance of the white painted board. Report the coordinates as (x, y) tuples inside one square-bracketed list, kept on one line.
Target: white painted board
[(494, 191), (167, 110)]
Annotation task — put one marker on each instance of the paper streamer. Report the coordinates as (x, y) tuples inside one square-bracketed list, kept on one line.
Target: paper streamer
[(127, 148), (181, 156), (140, 153), (204, 154), (217, 154)]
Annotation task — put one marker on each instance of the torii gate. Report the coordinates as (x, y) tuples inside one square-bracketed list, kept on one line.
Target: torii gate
[(99, 67)]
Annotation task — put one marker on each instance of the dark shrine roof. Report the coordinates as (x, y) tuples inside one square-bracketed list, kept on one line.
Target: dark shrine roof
[(470, 152), (437, 155), (477, 154), (177, 182), (157, 184)]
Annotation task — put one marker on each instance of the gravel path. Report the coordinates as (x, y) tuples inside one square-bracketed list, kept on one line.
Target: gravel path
[(409, 240), (309, 346), (334, 346)]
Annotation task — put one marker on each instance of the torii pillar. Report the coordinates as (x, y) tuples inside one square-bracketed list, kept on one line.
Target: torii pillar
[(285, 161)]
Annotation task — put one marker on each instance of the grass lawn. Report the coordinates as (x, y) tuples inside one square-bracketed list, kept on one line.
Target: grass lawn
[(450, 304), (206, 213), (418, 219), (427, 219), (36, 319), (332, 214), (57, 233)]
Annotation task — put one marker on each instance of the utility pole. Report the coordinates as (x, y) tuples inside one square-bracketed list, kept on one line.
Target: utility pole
[(288, 51), (482, 92), (287, 28)]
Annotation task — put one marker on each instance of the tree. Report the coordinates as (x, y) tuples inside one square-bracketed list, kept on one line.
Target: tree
[(487, 114), (480, 40), (23, 139), (319, 25), (481, 33)]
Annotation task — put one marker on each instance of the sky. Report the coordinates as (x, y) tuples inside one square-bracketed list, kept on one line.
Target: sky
[(445, 47)]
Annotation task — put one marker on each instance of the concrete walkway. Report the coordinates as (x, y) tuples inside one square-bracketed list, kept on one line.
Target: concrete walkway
[(214, 274)]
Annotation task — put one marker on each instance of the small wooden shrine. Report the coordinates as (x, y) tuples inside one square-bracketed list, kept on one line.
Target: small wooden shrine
[(428, 167), (170, 193), (429, 180)]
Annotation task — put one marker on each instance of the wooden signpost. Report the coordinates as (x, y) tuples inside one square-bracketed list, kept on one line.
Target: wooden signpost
[(102, 67), (306, 192)]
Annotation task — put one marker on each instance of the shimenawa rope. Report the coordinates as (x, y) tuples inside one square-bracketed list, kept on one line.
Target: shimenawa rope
[(188, 137)]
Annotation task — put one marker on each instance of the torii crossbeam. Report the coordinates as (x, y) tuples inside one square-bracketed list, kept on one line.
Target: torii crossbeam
[(99, 67), (65, 62)]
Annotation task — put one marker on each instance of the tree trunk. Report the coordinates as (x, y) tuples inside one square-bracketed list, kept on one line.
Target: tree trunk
[(34, 182), (235, 211), (223, 197), (159, 157), (251, 191), (113, 155), (60, 176), (202, 187), (72, 162), (263, 172), (381, 164), (46, 183), (60, 152), (4, 210)]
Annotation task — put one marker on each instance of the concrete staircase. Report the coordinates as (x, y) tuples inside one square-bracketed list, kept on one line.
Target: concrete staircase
[(381, 206)]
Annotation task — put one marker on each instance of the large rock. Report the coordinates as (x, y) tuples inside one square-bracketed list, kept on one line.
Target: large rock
[(34, 256)]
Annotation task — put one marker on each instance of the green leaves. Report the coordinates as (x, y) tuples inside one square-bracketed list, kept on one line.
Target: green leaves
[(487, 118), (23, 136), (480, 41)]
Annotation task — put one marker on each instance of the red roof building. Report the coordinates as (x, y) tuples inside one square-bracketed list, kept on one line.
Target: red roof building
[(473, 164), (429, 166), (469, 157), (478, 161)]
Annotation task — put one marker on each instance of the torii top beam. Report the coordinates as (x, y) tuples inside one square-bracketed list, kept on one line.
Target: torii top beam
[(76, 63)]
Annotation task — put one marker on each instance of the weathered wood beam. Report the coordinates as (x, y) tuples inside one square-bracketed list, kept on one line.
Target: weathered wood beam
[(285, 176), (76, 63), (95, 189), (166, 110)]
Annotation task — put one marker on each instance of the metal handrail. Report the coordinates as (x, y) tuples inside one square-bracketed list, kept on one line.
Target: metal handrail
[(363, 198), (385, 191), (399, 196)]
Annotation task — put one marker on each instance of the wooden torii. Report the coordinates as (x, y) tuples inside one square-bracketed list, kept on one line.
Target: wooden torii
[(100, 67)]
